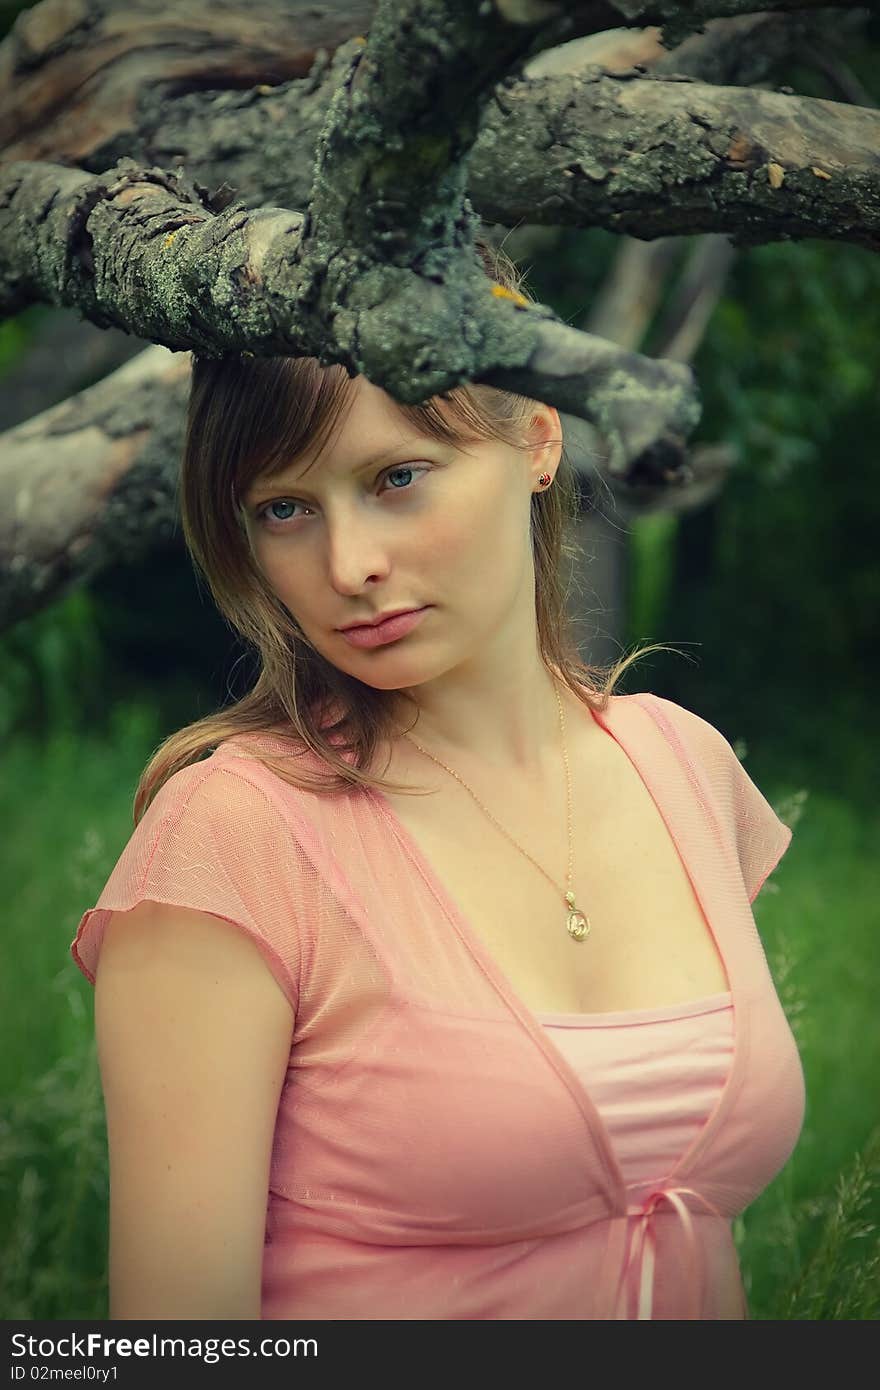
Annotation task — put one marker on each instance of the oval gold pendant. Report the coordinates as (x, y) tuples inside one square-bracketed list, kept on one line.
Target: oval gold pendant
[(578, 926)]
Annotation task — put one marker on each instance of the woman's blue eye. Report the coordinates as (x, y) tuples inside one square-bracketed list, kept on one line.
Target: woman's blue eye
[(264, 512), (400, 469), (279, 503)]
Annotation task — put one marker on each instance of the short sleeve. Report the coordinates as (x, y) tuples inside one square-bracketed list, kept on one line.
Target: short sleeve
[(761, 837), (213, 840)]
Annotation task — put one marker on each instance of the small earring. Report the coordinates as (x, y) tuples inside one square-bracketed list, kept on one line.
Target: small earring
[(545, 480)]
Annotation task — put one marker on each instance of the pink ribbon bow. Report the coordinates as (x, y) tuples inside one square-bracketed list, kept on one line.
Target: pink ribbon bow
[(642, 1244)]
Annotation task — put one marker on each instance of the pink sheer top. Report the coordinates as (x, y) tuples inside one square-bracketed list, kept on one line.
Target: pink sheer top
[(439, 1151)]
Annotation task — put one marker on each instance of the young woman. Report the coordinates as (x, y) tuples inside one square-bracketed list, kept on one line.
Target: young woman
[(429, 984)]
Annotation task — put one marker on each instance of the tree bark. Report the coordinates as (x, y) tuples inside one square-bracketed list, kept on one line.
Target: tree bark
[(91, 481), (658, 157), (79, 75), (591, 148), (152, 251)]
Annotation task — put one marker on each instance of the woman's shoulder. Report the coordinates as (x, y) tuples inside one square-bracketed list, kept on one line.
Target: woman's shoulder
[(648, 722), (670, 715), (291, 776), (240, 778)]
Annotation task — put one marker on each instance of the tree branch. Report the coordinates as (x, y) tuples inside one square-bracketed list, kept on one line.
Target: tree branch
[(365, 279), (624, 311), (676, 18), (687, 315), (840, 76), (76, 78), (656, 157), (741, 51), (237, 245), (626, 134), (227, 289), (242, 135), (73, 82), (91, 481)]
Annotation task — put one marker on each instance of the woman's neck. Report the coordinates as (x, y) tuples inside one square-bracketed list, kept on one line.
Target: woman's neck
[(514, 728)]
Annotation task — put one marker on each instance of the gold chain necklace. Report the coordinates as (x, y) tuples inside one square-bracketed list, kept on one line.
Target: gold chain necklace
[(578, 925)]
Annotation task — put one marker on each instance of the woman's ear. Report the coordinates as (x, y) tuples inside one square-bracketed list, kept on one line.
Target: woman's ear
[(544, 440)]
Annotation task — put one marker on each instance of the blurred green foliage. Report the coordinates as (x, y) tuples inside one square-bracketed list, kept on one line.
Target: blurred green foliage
[(774, 588)]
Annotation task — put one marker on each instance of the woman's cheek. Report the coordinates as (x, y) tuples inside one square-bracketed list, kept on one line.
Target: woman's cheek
[(284, 583)]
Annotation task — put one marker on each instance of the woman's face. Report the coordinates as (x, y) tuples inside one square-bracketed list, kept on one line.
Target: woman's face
[(389, 520)]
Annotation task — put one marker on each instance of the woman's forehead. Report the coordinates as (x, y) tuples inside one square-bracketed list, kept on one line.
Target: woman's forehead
[(369, 425)]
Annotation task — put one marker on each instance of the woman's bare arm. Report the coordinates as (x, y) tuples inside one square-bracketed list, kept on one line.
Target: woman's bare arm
[(193, 1035)]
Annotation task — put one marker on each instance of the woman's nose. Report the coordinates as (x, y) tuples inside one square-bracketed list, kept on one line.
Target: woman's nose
[(356, 553)]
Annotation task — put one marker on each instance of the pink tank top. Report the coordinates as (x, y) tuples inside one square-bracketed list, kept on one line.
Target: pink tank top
[(655, 1075)]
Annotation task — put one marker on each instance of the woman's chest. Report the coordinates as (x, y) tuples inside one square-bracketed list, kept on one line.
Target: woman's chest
[(649, 943)]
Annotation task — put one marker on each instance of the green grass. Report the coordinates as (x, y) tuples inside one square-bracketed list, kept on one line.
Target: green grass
[(65, 804), (808, 1246)]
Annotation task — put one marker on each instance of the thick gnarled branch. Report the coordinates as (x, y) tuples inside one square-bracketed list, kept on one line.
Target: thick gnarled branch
[(81, 78), (595, 147), (659, 157), (127, 250), (366, 279), (341, 283), (91, 482)]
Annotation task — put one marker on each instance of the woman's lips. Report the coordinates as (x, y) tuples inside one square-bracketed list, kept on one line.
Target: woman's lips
[(389, 631)]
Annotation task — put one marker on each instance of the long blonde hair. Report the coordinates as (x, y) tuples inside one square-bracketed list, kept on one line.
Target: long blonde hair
[(253, 416)]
